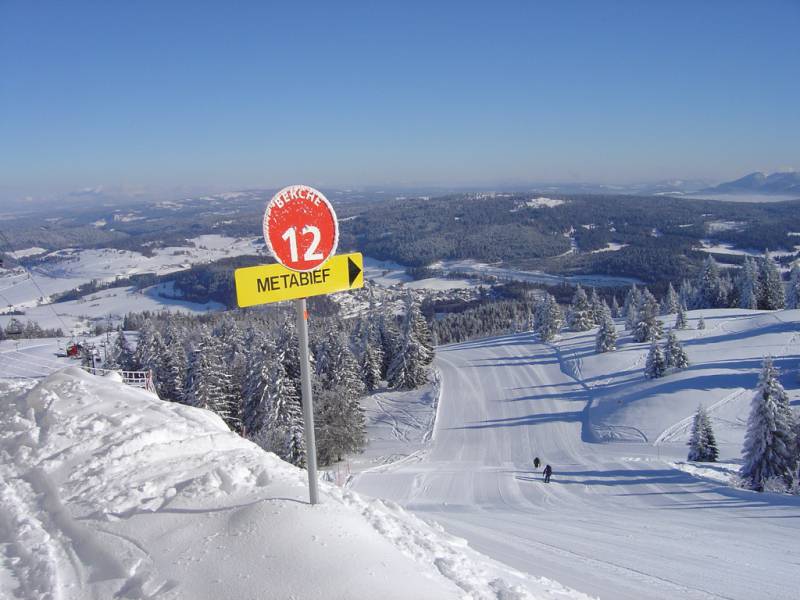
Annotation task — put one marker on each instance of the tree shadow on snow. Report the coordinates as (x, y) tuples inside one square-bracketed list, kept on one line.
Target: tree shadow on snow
[(533, 419)]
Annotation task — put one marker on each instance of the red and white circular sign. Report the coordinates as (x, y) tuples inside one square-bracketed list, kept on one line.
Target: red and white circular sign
[(300, 228)]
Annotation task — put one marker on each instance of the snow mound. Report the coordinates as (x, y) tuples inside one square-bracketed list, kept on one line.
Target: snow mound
[(107, 491)]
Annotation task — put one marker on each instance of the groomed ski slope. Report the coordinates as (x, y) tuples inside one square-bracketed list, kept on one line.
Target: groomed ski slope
[(618, 520), (107, 492)]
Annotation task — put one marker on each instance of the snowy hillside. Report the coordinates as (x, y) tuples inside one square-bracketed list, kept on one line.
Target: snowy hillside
[(66, 269), (106, 491), (625, 521)]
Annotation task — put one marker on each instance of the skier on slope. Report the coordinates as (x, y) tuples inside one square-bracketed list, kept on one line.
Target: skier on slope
[(548, 471), (536, 462)]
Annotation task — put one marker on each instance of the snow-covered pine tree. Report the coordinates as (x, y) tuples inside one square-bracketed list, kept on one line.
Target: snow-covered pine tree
[(597, 307), (408, 369), (770, 449), (793, 294), (747, 285), (370, 369), (674, 354), (262, 362), (606, 340), (630, 308), (770, 285), (680, 320), (389, 338), (172, 372), (123, 352), (670, 304), (580, 313), (549, 318), (648, 327), (615, 309), (143, 355), (290, 349), (709, 285), (420, 326), (702, 443), (686, 294), (655, 366), (209, 383), (701, 323), (276, 418)]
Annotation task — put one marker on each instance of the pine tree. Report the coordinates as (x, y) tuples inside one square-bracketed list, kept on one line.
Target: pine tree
[(701, 323), (709, 285), (272, 413), (389, 339), (580, 313), (420, 327), (655, 365), (793, 295), (630, 308), (549, 318), (686, 294), (770, 445), (123, 352), (262, 363), (606, 340), (598, 306), (771, 286), (209, 383), (648, 327), (747, 285), (370, 369), (674, 354), (171, 376), (680, 320), (670, 304), (615, 309), (408, 368), (702, 443)]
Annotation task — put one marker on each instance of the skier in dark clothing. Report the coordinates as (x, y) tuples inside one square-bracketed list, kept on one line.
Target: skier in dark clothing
[(536, 462), (548, 471)]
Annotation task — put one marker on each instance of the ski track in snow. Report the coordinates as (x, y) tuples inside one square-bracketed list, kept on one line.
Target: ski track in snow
[(616, 521)]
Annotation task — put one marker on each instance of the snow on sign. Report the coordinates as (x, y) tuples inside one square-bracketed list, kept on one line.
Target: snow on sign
[(300, 228)]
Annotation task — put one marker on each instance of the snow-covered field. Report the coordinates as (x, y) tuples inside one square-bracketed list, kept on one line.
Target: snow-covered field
[(67, 269), (631, 520), (108, 492), (109, 306), (478, 268), (724, 248)]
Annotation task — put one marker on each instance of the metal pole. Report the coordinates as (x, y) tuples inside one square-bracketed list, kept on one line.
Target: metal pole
[(308, 404)]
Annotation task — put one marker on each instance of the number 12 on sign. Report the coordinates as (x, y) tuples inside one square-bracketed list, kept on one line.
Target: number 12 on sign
[(311, 253)]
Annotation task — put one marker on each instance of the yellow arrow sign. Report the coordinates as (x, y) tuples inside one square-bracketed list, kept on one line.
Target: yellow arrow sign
[(274, 283)]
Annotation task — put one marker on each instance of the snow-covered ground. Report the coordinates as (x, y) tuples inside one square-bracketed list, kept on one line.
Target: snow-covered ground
[(631, 520), (108, 306), (611, 247), (108, 492), (474, 267), (725, 248), (64, 270)]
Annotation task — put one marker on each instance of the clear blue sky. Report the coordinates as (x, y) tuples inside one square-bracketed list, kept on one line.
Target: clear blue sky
[(159, 94)]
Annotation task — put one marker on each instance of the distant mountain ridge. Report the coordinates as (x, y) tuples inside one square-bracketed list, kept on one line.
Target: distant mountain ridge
[(786, 182)]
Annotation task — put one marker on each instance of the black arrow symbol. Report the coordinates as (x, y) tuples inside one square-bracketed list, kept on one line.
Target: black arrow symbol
[(353, 270)]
